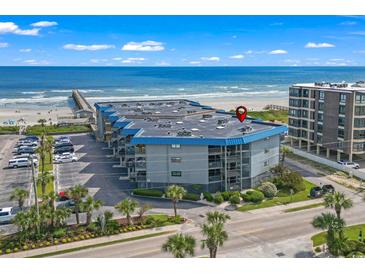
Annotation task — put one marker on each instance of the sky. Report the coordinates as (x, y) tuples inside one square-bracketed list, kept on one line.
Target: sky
[(182, 40)]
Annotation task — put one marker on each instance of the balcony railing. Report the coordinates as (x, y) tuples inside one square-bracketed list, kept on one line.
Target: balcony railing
[(215, 178), (215, 164), (214, 150)]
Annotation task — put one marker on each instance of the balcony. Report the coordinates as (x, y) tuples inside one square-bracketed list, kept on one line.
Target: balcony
[(215, 164), (215, 178), (214, 150)]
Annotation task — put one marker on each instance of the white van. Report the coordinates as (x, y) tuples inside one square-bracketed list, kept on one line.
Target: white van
[(21, 162), (7, 214)]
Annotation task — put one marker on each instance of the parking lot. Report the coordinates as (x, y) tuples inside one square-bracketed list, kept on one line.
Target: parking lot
[(11, 178), (100, 173)]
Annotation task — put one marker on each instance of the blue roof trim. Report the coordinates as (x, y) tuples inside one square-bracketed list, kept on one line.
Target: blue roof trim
[(101, 108), (113, 117), (107, 112), (209, 141), (119, 123)]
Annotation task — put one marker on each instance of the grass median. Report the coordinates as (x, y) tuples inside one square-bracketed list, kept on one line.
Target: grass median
[(299, 208), (101, 244)]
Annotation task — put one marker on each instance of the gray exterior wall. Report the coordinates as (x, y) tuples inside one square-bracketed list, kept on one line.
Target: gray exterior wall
[(261, 162), (100, 125), (193, 166)]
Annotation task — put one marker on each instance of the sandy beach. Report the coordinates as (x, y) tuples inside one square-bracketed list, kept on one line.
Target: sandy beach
[(31, 116)]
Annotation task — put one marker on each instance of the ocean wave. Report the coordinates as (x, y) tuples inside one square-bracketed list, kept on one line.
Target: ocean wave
[(35, 99), (124, 89), (193, 96), (81, 90), (33, 92)]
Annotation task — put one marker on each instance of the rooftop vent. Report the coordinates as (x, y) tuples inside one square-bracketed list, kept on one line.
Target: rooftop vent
[(179, 122), (194, 129), (184, 133), (202, 121), (175, 111), (220, 127), (246, 129), (206, 116), (164, 125)]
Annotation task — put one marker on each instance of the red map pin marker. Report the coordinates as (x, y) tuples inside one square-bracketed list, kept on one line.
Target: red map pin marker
[(241, 113)]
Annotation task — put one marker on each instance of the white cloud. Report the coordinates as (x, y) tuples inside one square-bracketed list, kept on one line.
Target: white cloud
[(10, 27), (43, 24), (25, 50), (212, 59), (163, 64), (144, 46), (133, 60), (4, 45), (278, 51), (339, 62), (238, 56), (358, 33), (311, 45), (34, 62), (194, 62), (117, 59), (87, 47)]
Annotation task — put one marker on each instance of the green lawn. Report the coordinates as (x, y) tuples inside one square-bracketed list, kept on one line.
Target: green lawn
[(351, 232), (298, 197), (294, 209), (269, 115), (162, 219), (9, 129), (38, 129)]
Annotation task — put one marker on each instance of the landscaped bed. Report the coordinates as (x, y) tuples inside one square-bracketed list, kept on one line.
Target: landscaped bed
[(160, 194), (9, 129), (282, 199), (73, 233), (55, 129)]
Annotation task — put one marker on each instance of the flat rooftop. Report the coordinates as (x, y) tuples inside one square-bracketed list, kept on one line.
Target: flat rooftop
[(169, 121), (358, 86)]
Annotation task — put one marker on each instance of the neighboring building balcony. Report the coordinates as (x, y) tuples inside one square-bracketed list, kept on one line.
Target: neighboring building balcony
[(130, 151), (140, 163), (130, 163), (139, 150), (233, 172)]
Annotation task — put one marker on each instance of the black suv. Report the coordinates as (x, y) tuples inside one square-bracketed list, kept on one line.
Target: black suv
[(61, 150), (328, 189)]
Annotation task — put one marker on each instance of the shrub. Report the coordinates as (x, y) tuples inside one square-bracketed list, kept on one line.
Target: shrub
[(55, 242), (218, 198), (34, 246), (64, 241), (16, 249), (148, 192), (25, 247), (208, 196), (269, 189), (317, 249), (48, 243), (41, 245), (82, 237), (59, 233), (234, 200), (226, 195), (1, 252), (253, 196), (191, 197), (196, 188), (355, 254), (76, 238), (8, 251)]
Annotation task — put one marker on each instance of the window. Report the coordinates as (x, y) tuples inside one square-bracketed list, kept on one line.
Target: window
[(176, 173), (319, 128), (304, 124), (294, 92), (340, 144), (360, 98), (175, 146), (311, 136), (341, 109), (321, 106), (321, 95), (175, 159), (305, 93), (294, 102), (313, 94), (320, 117), (312, 115), (359, 134), (305, 103), (360, 110), (311, 126), (341, 133), (313, 104), (319, 139), (304, 113), (341, 121), (359, 122), (343, 98), (304, 134)]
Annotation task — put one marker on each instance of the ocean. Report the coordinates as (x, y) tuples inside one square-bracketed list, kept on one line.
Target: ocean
[(37, 87)]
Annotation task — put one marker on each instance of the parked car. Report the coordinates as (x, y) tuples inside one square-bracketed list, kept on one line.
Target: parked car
[(30, 138), (24, 149), (7, 214), (66, 157), (21, 162), (349, 164), (62, 139), (64, 149), (25, 155), (27, 143), (328, 189), (316, 192), (63, 144)]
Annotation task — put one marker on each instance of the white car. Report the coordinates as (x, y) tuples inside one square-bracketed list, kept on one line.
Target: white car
[(66, 157), (21, 162), (7, 214), (349, 164)]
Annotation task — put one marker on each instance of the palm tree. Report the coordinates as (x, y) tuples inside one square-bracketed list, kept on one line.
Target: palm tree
[(19, 195), (180, 246), (48, 147), (42, 122), (89, 206), (127, 207), (333, 225), (215, 237), (77, 193), (142, 210), (214, 217), (175, 193), (61, 215), (45, 178), (338, 201), (284, 151)]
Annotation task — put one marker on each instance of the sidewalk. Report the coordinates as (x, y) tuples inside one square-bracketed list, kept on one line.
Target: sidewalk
[(91, 242)]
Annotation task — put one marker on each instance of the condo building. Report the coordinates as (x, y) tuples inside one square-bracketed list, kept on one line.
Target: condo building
[(182, 142), (328, 118)]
